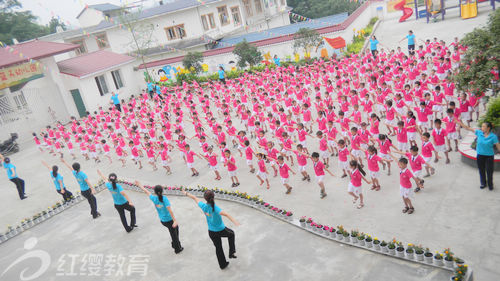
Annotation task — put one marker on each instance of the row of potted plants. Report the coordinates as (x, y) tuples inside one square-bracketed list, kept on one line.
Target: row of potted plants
[(444, 259), (58, 207)]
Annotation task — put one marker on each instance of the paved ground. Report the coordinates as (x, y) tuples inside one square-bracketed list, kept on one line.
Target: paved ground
[(267, 249), (450, 212)]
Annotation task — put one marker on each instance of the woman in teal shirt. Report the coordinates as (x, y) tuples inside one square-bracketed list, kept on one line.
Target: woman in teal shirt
[(121, 200), (85, 187), (216, 227), (12, 175), (485, 152), (58, 182), (165, 213)]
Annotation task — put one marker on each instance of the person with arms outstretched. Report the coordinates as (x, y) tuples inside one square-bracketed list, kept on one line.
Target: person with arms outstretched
[(12, 175)]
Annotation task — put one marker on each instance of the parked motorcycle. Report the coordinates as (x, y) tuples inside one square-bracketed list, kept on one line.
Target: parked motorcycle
[(10, 146)]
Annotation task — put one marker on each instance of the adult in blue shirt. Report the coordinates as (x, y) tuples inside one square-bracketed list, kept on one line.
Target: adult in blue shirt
[(58, 182), (85, 187), (486, 140), (373, 45), (12, 175), (222, 75), (167, 218), (116, 101), (121, 200), (277, 61), (411, 42), (216, 227)]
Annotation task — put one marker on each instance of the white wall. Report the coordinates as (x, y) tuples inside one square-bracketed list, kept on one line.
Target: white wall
[(90, 17)]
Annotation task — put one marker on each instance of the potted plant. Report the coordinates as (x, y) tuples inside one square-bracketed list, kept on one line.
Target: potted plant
[(44, 214), (18, 229), (2, 238), (10, 231), (24, 224), (438, 259), (448, 258), (384, 247), (302, 221), (50, 211), (319, 228), (283, 214), (340, 233), (332, 232), (326, 230), (368, 241), (29, 221), (458, 261), (419, 253), (400, 250), (289, 216), (410, 251), (376, 244), (392, 247), (354, 236), (428, 256), (347, 237), (361, 239), (460, 272), (308, 223)]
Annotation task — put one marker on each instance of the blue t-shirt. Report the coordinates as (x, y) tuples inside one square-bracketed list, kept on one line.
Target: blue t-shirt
[(161, 208), (56, 180), (485, 144), (277, 61), (80, 178), (214, 220), (411, 39), (115, 99), (373, 44), (11, 174), (150, 86), (221, 74), (118, 198)]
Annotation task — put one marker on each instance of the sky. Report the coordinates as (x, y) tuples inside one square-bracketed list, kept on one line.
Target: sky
[(67, 10)]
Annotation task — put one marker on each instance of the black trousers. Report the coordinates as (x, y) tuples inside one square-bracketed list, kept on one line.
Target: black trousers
[(121, 210), (66, 195), (485, 166), (118, 107), (174, 234), (223, 80), (92, 201), (373, 52), (19, 185), (219, 251), (411, 49)]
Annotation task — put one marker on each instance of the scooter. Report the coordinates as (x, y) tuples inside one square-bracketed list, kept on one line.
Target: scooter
[(10, 146)]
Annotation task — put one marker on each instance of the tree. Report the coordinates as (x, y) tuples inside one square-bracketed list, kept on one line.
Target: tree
[(247, 54), (141, 34), (16, 24), (306, 39), (54, 23), (482, 55), (192, 61), (321, 8)]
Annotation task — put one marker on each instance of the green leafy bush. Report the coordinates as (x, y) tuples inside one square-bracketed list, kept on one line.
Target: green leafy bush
[(358, 40)]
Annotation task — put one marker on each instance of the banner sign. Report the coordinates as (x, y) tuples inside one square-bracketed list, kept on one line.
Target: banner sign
[(14, 75)]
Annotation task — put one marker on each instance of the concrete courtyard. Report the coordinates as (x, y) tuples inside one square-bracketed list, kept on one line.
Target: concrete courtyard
[(450, 212)]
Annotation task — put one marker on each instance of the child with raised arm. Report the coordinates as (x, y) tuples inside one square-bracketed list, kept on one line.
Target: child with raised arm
[(262, 172), (357, 174), (284, 169), (230, 163), (319, 170)]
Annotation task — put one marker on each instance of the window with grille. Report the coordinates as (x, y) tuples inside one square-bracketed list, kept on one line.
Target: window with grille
[(235, 11), (117, 79), (204, 22), (101, 84), (82, 49), (211, 20), (223, 16), (102, 41)]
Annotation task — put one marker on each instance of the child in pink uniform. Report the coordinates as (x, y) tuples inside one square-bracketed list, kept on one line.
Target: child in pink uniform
[(262, 172), (37, 142), (230, 163), (357, 175), (189, 154), (106, 149), (319, 170), (249, 156), (211, 157), (150, 153), (343, 154), (372, 158), (439, 135), (302, 161), (134, 154), (451, 129), (284, 169), (323, 147), (119, 151), (405, 188)]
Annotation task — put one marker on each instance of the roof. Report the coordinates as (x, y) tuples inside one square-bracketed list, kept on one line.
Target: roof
[(105, 7), (34, 49), (336, 43), (284, 30), (181, 45), (91, 63)]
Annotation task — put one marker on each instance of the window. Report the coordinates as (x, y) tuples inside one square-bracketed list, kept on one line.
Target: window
[(204, 22), (223, 16), (258, 6), (20, 101), (235, 12), (101, 85), (248, 8), (211, 20), (82, 49), (102, 41), (175, 32), (117, 79)]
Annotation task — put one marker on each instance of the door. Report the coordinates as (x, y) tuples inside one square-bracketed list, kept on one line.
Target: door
[(79, 102)]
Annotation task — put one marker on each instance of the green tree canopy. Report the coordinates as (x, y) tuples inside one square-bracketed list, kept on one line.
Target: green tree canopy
[(306, 39), (193, 60), (247, 54), (321, 8), (482, 55)]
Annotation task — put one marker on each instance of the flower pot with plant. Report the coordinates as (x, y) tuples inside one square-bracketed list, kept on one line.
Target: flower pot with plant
[(289, 216), (319, 228), (19, 229), (368, 242), (376, 244), (391, 246), (410, 251), (400, 250), (384, 247), (333, 233), (302, 222), (326, 231), (438, 259), (460, 273), (347, 236), (354, 236), (458, 261), (419, 253), (2, 238), (340, 233), (448, 258), (361, 239), (428, 256), (308, 223)]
